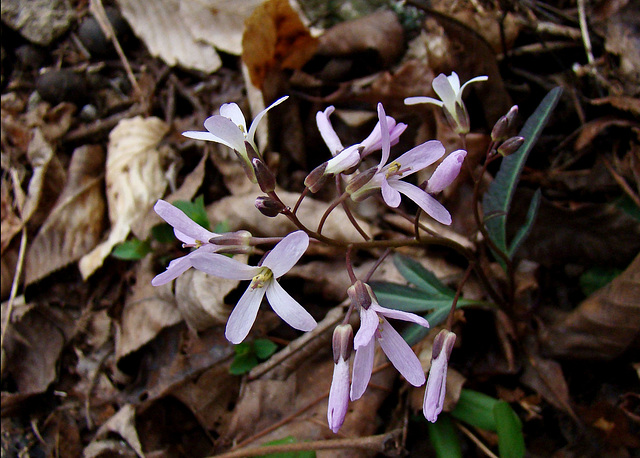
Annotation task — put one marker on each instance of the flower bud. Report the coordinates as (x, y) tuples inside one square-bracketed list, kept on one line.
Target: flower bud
[(361, 294), (342, 342), (317, 178), (500, 129), (241, 238), (268, 206), (357, 183), (511, 115), (510, 146), (437, 382), (266, 179)]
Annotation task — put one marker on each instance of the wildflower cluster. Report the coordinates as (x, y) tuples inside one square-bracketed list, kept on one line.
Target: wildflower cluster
[(388, 181)]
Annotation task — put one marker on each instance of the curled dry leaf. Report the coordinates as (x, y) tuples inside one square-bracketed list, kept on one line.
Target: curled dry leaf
[(604, 325), (135, 180), (200, 298), (240, 213), (218, 22), (147, 311), (122, 424), (274, 39), (167, 35), (75, 224)]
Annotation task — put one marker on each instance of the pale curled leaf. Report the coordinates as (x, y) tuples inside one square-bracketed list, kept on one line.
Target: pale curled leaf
[(135, 180), (167, 35), (75, 224), (123, 424)]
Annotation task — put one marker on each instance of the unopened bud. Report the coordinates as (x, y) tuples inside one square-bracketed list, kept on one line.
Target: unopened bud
[(360, 180), (268, 206), (241, 238), (511, 115), (361, 294), (266, 179), (510, 146), (316, 179), (443, 341), (500, 129), (342, 342)]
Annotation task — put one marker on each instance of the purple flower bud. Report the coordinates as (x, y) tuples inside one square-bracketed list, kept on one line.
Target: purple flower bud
[(511, 115), (361, 295), (266, 179), (510, 146), (339, 392), (268, 206), (437, 381), (500, 129), (446, 172)]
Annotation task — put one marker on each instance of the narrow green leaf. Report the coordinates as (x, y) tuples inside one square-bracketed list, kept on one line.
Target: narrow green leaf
[(131, 250), (497, 200), (284, 441), (264, 348), (422, 278), (163, 233), (444, 438), (523, 232), (195, 210), (242, 364), (476, 409), (408, 299), (509, 428)]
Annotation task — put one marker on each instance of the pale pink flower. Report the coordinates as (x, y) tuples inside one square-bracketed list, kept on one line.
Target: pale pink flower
[(437, 383), (263, 282), (339, 392)]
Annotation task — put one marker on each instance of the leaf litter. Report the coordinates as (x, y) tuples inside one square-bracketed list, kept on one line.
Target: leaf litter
[(135, 370)]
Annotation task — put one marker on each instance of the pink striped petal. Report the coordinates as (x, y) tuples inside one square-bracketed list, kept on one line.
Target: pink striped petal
[(400, 354), (287, 308), (425, 201), (244, 315), (286, 253), (362, 368)]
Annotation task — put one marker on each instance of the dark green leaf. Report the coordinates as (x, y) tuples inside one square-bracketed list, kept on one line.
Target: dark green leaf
[(221, 227), (408, 299), (243, 348), (264, 348), (131, 250), (497, 200), (242, 364), (444, 438), (476, 409), (597, 277), (417, 275), (284, 441), (523, 232), (509, 428), (195, 210), (163, 233)]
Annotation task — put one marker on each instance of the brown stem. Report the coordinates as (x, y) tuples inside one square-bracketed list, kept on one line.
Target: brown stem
[(328, 211)]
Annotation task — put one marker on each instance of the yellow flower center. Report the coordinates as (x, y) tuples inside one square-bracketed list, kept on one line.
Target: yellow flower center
[(262, 278), (393, 169)]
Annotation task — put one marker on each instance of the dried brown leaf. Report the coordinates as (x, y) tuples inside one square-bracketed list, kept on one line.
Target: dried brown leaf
[(75, 224), (604, 325), (135, 180), (275, 38), (122, 424), (167, 35)]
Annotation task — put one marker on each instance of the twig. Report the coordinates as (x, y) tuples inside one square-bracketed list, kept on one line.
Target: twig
[(376, 444), (14, 285), (623, 184), (476, 441), (584, 30)]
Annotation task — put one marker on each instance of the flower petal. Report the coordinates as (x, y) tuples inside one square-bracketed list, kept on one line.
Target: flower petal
[(182, 223), (259, 116), (477, 79), (454, 81), (345, 160), (175, 268), (233, 112), (327, 132), (384, 136), (362, 368), (338, 395), (400, 354), (286, 253), (287, 308), (446, 172), (369, 323), (420, 157), (391, 196), (399, 315), (226, 132), (421, 99), (222, 266), (244, 315), (425, 201), (442, 87), (199, 135)]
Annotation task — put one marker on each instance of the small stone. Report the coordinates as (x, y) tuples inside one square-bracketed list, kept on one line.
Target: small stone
[(92, 37), (89, 113), (30, 57), (39, 21), (65, 85)]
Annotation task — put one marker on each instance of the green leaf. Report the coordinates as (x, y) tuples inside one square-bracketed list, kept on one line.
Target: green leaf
[(264, 348), (497, 200), (523, 232), (408, 299), (243, 348), (444, 438), (509, 428), (422, 278), (195, 210), (597, 277), (288, 440), (131, 250), (163, 233), (476, 409), (242, 364)]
